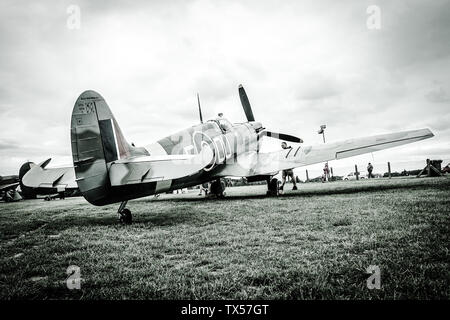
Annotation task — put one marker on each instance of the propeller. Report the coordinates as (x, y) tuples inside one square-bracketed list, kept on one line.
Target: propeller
[(246, 104), (249, 114), (199, 108), (281, 136)]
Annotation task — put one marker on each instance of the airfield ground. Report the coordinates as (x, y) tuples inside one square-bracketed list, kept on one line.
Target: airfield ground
[(314, 243)]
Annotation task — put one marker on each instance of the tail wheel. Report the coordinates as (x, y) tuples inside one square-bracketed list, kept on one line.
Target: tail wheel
[(125, 216)]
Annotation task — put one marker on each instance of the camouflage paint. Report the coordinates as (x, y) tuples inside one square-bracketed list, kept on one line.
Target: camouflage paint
[(97, 143)]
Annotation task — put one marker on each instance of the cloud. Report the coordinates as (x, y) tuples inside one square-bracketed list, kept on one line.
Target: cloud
[(438, 95), (6, 146), (318, 86)]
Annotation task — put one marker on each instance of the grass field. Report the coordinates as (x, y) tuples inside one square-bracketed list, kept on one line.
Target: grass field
[(314, 243)]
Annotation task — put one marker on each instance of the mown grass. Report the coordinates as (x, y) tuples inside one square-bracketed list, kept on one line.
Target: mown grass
[(314, 243)]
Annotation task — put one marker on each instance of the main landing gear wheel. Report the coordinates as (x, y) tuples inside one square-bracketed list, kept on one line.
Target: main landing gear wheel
[(218, 188), (124, 214), (272, 187)]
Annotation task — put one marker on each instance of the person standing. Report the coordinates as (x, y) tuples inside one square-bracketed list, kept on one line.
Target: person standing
[(326, 173), (204, 187), (369, 170), (288, 172)]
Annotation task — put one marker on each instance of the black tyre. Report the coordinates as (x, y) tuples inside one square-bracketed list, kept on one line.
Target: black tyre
[(273, 187), (125, 216), (218, 187)]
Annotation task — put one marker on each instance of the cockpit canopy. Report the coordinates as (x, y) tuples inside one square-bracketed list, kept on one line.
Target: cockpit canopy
[(224, 124)]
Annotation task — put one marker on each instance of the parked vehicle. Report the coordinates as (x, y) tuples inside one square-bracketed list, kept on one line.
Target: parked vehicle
[(352, 175)]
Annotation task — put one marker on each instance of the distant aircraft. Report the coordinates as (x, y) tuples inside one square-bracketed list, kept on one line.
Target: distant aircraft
[(8, 185), (108, 169)]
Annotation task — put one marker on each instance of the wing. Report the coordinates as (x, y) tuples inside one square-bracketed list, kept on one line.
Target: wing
[(50, 178), (272, 162), (6, 187), (158, 168)]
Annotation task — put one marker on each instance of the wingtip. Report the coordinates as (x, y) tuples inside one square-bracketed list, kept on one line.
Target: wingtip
[(428, 132)]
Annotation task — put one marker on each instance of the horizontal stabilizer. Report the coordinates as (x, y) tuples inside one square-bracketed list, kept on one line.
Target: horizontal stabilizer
[(158, 168)]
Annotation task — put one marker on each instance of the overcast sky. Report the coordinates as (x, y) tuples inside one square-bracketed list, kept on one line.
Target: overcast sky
[(303, 64)]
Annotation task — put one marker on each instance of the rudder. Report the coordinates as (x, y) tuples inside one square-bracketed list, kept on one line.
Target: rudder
[(96, 142)]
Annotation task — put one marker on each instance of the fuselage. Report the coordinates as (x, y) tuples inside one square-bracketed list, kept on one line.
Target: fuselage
[(227, 141), (107, 167)]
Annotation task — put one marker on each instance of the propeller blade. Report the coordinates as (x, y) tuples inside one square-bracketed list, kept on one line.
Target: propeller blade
[(281, 136), (246, 104), (199, 109)]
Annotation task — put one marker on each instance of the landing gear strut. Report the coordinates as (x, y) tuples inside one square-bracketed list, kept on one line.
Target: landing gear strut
[(124, 213), (272, 187), (218, 188)]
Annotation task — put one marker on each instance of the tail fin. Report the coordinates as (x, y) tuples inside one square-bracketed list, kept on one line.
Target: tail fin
[(97, 141)]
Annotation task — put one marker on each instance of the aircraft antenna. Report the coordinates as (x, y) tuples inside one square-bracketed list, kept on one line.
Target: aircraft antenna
[(199, 108)]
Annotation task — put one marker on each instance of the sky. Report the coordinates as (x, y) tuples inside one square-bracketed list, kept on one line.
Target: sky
[(302, 63)]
